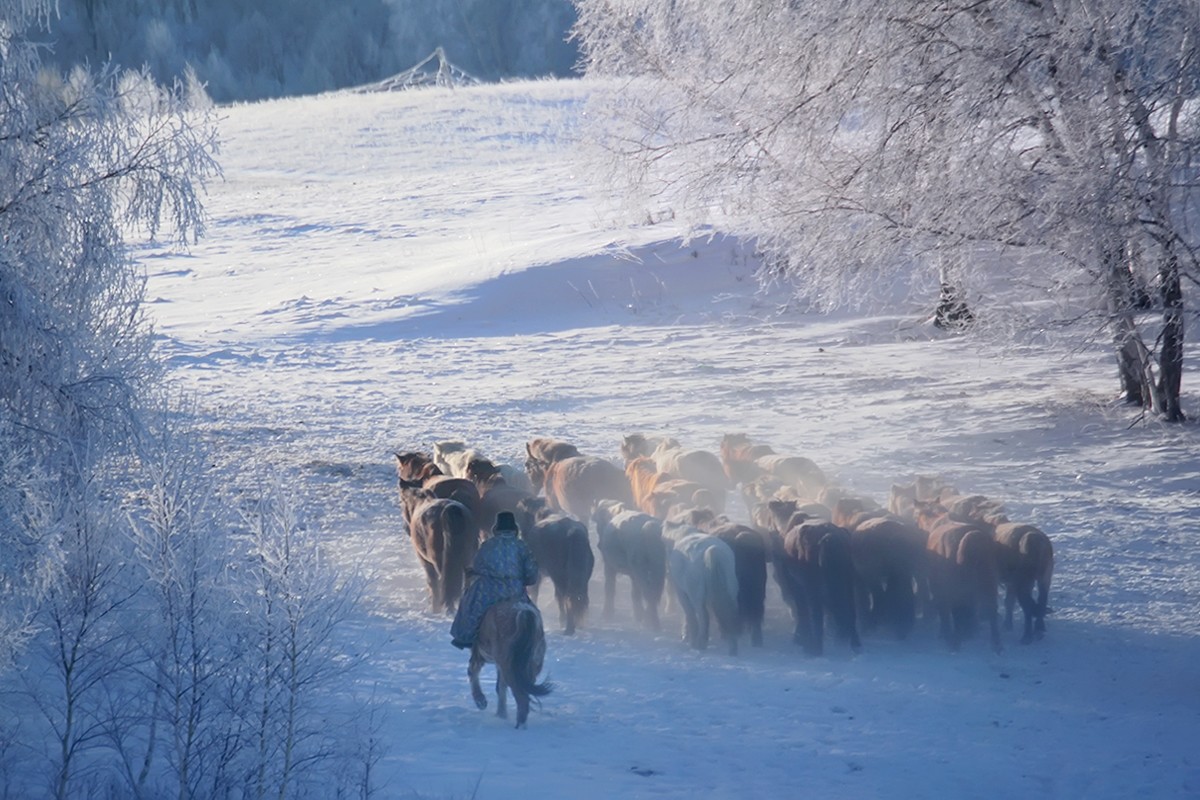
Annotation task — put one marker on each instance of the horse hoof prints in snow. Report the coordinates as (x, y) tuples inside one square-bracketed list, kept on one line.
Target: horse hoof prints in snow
[(512, 638)]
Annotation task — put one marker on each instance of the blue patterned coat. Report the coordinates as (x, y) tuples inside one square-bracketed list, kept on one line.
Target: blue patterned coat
[(502, 568)]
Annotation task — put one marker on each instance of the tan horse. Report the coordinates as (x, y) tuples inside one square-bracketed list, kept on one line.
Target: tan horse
[(744, 461), (697, 466), (511, 637), (574, 485)]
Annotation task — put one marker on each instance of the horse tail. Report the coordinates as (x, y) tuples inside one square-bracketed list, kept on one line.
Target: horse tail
[(974, 552), (1036, 547), (580, 564), (459, 538), (524, 668), (721, 577), (835, 560)]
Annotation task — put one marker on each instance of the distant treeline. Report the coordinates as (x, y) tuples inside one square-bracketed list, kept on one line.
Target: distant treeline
[(273, 48)]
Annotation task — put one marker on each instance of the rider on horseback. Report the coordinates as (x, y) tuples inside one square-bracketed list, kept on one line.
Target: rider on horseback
[(502, 568)]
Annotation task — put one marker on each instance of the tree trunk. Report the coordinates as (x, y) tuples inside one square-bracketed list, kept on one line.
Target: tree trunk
[(952, 312), (1130, 350), (1170, 358)]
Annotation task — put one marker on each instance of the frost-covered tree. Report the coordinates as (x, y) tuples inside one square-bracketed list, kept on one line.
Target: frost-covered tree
[(82, 158), (1048, 144)]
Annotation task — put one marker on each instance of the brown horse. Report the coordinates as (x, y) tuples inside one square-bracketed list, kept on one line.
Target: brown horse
[(512, 638), (961, 564), (561, 548), (744, 461), (574, 485), (548, 450), (1024, 558), (445, 537), (631, 543)]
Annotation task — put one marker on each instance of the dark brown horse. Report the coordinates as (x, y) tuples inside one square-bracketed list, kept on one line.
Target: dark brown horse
[(512, 638), (889, 565), (445, 537), (961, 564), (815, 569), (560, 546), (631, 543)]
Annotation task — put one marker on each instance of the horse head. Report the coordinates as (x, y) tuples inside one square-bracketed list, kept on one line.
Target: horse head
[(414, 465), (634, 445)]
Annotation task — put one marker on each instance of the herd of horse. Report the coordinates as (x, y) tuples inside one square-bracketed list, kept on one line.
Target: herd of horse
[(931, 552)]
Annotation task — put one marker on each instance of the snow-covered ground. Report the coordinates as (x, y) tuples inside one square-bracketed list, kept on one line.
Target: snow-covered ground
[(384, 271)]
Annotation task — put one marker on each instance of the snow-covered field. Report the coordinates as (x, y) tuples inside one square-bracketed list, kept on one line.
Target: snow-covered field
[(384, 271)]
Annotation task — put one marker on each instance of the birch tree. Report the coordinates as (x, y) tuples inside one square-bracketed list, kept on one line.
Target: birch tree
[(1053, 139)]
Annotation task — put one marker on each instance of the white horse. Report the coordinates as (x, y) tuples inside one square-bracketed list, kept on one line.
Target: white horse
[(453, 456), (702, 571)]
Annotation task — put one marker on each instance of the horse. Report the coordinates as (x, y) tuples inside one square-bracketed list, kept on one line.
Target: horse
[(445, 537), (756, 493), (815, 568), (889, 566), (511, 637), (452, 456), (419, 469), (656, 492), (561, 548), (1024, 558), (548, 450), (961, 564), (751, 548), (455, 458), (631, 543), (902, 497), (703, 574), (697, 466), (744, 461), (575, 484)]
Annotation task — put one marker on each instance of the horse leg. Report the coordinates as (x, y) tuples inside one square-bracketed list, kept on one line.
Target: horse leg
[(610, 592), (501, 690), (1010, 601), (1024, 594), (566, 614), (816, 614), (703, 619), (434, 579), (637, 598), (689, 616), (1043, 592), (473, 668)]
